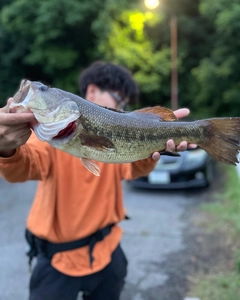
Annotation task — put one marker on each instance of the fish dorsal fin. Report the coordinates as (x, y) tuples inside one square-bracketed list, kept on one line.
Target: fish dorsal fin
[(112, 109), (91, 166), (165, 114)]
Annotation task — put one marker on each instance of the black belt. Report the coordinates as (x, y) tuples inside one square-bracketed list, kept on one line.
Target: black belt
[(48, 249)]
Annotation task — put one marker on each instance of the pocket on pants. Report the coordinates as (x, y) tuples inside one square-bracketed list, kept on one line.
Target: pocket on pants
[(118, 265), (42, 267)]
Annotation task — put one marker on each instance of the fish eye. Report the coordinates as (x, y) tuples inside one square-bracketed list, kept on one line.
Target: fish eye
[(43, 88)]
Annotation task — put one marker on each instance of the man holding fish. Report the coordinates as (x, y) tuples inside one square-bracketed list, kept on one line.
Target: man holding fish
[(72, 225)]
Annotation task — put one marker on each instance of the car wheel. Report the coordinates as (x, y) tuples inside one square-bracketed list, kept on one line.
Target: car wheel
[(209, 173)]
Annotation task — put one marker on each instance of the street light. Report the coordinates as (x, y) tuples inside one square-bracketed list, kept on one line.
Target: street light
[(152, 4)]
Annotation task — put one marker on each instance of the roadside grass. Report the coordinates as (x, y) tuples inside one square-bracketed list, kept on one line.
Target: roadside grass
[(222, 286), (226, 211), (227, 204)]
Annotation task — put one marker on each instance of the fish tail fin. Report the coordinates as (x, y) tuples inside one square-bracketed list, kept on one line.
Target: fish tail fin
[(222, 139)]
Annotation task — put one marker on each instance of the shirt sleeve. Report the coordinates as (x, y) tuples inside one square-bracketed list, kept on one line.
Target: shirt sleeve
[(31, 161), (138, 168)]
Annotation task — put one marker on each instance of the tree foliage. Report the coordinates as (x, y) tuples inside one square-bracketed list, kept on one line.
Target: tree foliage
[(128, 43), (46, 40), (217, 78), (52, 41)]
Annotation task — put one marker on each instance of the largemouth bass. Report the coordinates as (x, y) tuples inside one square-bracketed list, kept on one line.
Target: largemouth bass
[(92, 132)]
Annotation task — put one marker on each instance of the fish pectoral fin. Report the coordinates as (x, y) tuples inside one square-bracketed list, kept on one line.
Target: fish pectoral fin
[(169, 153), (165, 114), (100, 143), (91, 166)]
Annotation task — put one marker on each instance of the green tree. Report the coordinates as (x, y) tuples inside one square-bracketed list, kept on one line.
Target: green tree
[(140, 40), (45, 40), (52, 41), (217, 78), (128, 43)]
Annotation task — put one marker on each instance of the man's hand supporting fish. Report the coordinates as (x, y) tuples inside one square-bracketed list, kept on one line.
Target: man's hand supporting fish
[(15, 130)]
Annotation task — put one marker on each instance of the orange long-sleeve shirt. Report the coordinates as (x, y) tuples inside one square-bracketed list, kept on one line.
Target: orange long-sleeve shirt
[(72, 203)]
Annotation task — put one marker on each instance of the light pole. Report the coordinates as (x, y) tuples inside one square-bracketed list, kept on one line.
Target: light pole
[(151, 4), (174, 71)]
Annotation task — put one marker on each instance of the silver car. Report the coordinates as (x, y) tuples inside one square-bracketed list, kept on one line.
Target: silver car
[(194, 168)]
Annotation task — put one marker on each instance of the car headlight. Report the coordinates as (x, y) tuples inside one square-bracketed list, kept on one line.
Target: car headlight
[(195, 158)]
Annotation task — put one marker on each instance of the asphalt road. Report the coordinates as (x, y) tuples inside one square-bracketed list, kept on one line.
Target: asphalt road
[(154, 231)]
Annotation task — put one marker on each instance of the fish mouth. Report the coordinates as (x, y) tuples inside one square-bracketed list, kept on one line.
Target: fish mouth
[(67, 131), (18, 102)]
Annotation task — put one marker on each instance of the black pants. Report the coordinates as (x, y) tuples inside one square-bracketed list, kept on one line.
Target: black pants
[(49, 284)]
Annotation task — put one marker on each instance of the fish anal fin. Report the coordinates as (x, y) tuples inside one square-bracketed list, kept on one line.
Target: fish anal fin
[(165, 114), (169, 153), (91, 166), (96, 142)]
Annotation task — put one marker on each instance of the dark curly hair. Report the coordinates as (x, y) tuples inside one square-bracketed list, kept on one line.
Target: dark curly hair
[(109, 77)]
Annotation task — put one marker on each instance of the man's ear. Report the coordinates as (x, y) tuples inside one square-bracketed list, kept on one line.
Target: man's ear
[(91, 92)]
